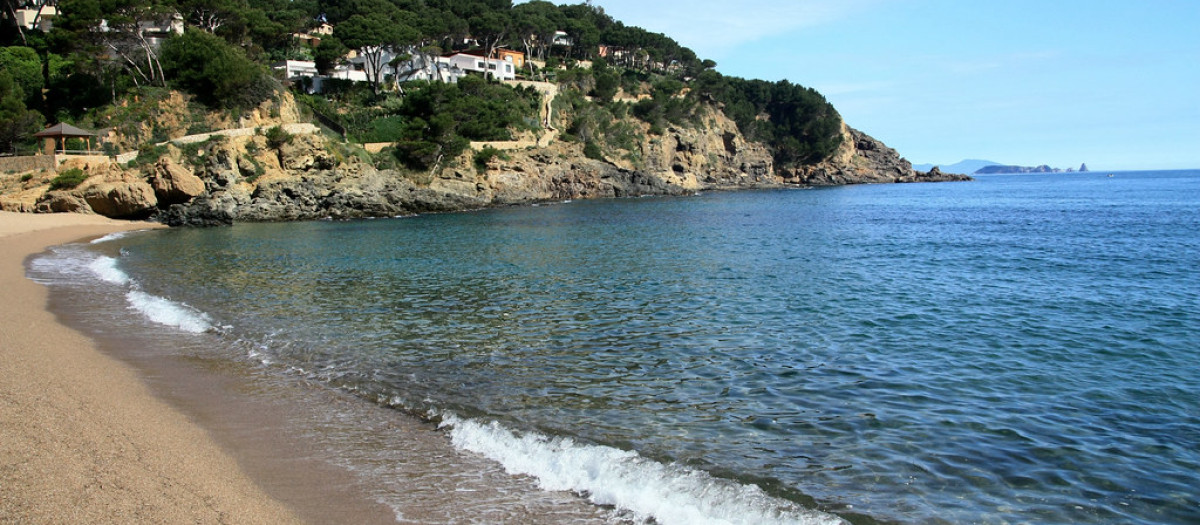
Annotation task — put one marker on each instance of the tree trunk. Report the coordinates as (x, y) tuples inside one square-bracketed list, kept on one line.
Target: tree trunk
[(13, 13)]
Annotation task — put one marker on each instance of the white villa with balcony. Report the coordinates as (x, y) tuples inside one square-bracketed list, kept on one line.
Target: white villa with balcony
[(448, 68)]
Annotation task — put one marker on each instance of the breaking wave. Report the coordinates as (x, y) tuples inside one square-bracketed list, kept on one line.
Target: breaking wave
[(659, 493), (157, 309)]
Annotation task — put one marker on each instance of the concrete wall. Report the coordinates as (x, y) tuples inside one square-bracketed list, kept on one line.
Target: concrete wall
[(27, 163)]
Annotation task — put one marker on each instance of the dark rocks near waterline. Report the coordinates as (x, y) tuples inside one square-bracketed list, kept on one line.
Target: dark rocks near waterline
[(862, 159)]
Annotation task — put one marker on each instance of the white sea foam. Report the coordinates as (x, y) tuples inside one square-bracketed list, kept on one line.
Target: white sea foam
[(106, 269), (157, 309), (168, 312), (668, 494), (112, 237)]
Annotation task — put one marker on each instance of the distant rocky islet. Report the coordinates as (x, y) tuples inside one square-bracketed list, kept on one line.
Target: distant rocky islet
[(986, 167)]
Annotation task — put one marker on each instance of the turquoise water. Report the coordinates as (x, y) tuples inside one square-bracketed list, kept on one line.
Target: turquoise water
[(1022, 348)]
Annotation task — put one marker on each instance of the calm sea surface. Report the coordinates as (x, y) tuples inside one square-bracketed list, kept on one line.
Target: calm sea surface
[(1023, 348)]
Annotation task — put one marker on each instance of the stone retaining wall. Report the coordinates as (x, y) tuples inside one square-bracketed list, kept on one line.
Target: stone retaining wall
[(27, 163)]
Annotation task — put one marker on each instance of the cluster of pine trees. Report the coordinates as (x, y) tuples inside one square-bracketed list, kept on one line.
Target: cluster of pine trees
[(97, 52)]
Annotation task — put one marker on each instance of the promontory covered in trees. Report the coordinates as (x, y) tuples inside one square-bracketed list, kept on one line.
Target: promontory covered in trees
[(211, 111)]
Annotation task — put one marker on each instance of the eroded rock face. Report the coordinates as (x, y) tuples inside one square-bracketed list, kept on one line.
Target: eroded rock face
[(862, 160), (108, 190), (122, 200), (306, 182), (248, 180), (174, 184), (715, 156), (62, 202), (305, 153)]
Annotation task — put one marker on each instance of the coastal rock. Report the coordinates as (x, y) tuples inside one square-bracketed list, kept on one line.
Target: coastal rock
[(174, 184), (712, 156), (304, 153), (307, 182), (198, 214), (935, 174), (245, 179), (861, 159), (62, 202), (123, 200)]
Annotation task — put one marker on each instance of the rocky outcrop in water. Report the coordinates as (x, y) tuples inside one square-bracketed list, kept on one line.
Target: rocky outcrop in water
[(862, 159)]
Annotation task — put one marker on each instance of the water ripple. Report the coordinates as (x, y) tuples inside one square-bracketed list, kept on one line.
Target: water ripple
[(1015, 350)]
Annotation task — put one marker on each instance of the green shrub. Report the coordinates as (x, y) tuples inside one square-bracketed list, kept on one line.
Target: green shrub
[(68, 179), (148, 154), (385, 160), (485, 155), (259, 169), (383, 129), (592, 151), (277, 137), (26, 177)]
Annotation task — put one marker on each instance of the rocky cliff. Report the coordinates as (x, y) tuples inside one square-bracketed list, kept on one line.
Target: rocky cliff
[(306, 181), (863, 160), (250, 178)]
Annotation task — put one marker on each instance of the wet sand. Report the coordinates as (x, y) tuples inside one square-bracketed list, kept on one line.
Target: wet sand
[(87, 438)]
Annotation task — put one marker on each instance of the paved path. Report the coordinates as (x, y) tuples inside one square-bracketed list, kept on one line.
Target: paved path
[(295, 128)]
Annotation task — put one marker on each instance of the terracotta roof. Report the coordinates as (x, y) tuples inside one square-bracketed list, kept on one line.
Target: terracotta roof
[(64, 130)]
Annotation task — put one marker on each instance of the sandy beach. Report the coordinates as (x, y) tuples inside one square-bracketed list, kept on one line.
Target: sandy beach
[(82, 439)]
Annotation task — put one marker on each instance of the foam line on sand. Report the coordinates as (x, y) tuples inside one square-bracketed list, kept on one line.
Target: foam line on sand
[(82, 439)]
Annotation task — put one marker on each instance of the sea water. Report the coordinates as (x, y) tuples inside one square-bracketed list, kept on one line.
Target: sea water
[(1022, 348)]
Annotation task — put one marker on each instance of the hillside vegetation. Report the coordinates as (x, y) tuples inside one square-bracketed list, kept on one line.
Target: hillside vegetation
[(617, 82)]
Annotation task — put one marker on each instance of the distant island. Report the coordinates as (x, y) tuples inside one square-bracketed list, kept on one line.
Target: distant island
[(964, 166), (1020, 169), (985, 167)]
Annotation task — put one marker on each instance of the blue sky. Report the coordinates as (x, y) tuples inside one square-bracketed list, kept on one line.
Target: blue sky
[(1115, 84)]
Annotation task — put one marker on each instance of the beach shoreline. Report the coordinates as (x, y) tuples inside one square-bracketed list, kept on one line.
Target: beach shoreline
[(86, 437)]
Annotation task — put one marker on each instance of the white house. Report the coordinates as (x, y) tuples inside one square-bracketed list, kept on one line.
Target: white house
[(155, 31), (418, 66), (562, 38), (36, 13), (426, 67), (497, 68), (296, 68)]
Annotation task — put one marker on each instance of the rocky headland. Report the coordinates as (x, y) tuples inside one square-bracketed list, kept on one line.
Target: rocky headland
[(314, 176), (861, 159)]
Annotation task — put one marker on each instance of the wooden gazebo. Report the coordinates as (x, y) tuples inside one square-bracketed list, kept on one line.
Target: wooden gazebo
[(54, 138)]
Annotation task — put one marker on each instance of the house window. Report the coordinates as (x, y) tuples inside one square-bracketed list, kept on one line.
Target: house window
[(508, 69), (479, 65)]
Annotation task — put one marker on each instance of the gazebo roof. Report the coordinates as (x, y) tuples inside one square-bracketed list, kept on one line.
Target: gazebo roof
[(63, 130)]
